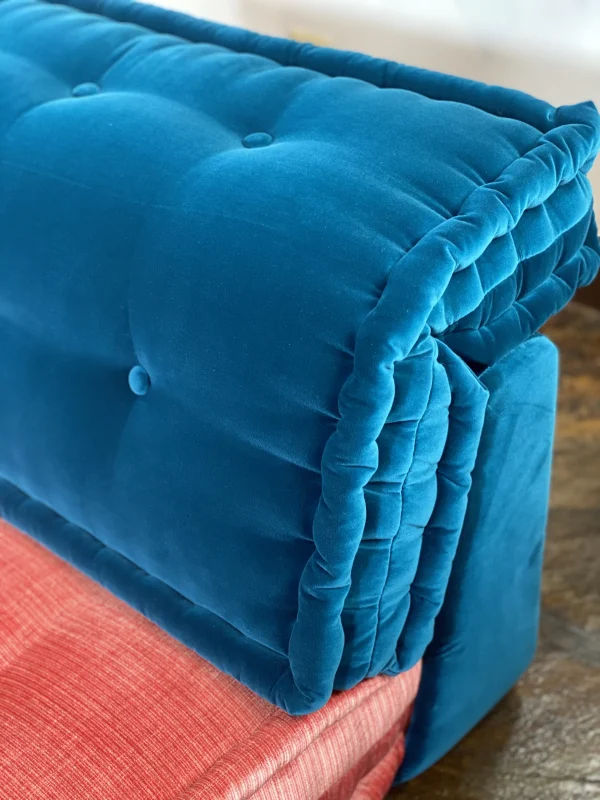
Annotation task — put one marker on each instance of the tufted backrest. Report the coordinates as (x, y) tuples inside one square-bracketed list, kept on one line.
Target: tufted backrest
[(238, 273)]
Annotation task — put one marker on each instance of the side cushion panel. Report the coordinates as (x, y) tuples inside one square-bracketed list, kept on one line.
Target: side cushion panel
[(486, 633)]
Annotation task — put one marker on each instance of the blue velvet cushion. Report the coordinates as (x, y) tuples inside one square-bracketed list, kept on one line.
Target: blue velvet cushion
[(248, 291), (486, 632)]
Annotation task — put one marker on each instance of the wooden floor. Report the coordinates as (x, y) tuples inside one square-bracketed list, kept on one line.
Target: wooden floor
[(543, 741)]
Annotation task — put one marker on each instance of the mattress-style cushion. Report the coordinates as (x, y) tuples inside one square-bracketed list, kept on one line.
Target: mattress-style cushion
[(97, 703), (247, 289)]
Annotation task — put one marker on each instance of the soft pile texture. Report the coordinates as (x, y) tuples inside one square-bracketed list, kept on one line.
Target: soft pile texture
[(96, 703), (248, 291), (486, 632)]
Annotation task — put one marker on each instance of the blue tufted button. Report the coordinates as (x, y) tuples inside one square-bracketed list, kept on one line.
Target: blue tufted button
[(85, 89), (257, 140), (139, 380)]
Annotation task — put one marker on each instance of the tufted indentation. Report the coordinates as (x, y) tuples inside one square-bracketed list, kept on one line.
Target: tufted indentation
[(258, 139), (85, 89), (139, 380)]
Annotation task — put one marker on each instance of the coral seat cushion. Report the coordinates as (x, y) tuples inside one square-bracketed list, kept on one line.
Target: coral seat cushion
[(97, 703)]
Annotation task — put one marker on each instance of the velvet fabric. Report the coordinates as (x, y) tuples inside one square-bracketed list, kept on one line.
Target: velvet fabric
[(249, 291), (486, 632)]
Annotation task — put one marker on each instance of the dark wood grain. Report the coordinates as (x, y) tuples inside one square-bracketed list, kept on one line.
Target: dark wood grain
[(542, 742)]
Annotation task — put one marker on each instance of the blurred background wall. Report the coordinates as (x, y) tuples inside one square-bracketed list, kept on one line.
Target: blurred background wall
[(549, 48)]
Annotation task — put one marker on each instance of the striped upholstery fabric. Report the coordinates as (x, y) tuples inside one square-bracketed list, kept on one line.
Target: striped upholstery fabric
[(97, 702)]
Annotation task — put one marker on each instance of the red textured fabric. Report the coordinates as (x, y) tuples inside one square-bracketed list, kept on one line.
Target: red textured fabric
[(96, 702)]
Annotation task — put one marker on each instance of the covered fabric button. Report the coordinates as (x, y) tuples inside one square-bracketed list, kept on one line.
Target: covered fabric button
[(85, 89), (257, 140), (139, 380)]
